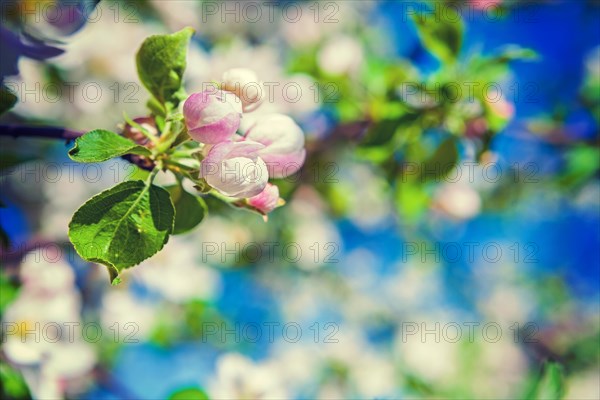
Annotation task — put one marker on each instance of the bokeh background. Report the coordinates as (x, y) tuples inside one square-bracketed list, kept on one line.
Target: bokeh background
[(437, 244)]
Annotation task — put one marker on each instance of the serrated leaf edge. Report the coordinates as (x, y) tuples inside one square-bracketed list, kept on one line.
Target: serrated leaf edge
[(113, 271)]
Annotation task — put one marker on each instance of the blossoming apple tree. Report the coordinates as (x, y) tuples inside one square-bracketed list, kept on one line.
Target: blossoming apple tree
[(194, 137)]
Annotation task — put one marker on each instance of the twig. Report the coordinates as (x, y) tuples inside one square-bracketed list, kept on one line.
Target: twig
[(54, 132), (47, 132)]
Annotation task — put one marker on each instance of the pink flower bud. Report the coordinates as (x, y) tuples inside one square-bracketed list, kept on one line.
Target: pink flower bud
[(245, 85), (502, 108), (212, 117), (266, 201), (136, 135), (284, 144), (235, 169)]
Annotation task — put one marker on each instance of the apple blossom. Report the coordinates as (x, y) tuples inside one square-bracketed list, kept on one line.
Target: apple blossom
[(458, 200), (235, 169), (238, 377), (267, 200), (244, 84), (283, 142), (340, 55), (212, 117)]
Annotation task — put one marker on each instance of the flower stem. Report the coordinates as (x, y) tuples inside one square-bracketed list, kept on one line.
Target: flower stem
[(222, 197), (153, 173)]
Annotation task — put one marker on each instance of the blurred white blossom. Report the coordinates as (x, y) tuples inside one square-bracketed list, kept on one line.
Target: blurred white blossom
[(178, 274), (43, 329), (238, 377)]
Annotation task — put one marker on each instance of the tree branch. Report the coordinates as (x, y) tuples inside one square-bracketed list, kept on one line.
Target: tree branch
[(47, 132), (54, 132)]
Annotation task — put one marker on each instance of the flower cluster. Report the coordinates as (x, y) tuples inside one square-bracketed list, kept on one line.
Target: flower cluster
[(239, 164)]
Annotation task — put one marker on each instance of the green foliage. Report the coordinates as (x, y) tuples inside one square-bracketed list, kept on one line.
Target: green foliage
[(383, 131), (8, 292), (514, 53), (12, 383), (123, 226), (441, 162), (440, 34), (161, 62), (582, 162), (401, 108), (411, 201), (190, 210), (101, 145), (550, 385), (189, 394)]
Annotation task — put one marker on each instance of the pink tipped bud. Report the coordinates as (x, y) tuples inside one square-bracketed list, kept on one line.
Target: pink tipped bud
[(136, 135), (244, 84), (267, 200), (284, 144), (212, 117), (235, 169)]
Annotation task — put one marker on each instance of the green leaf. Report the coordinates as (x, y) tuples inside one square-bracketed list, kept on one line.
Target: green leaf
[(550, 386), (514, 52), (161, 62), (411, 201), (189, 394), (181, 138), (8, 292), (12, 383), (494, 67), (7, 99), (101, 145), (190, 210), (380, 133), (170, 137), (441, 34), (123, 226), (157, 109), (582, 162), (443, 160)]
